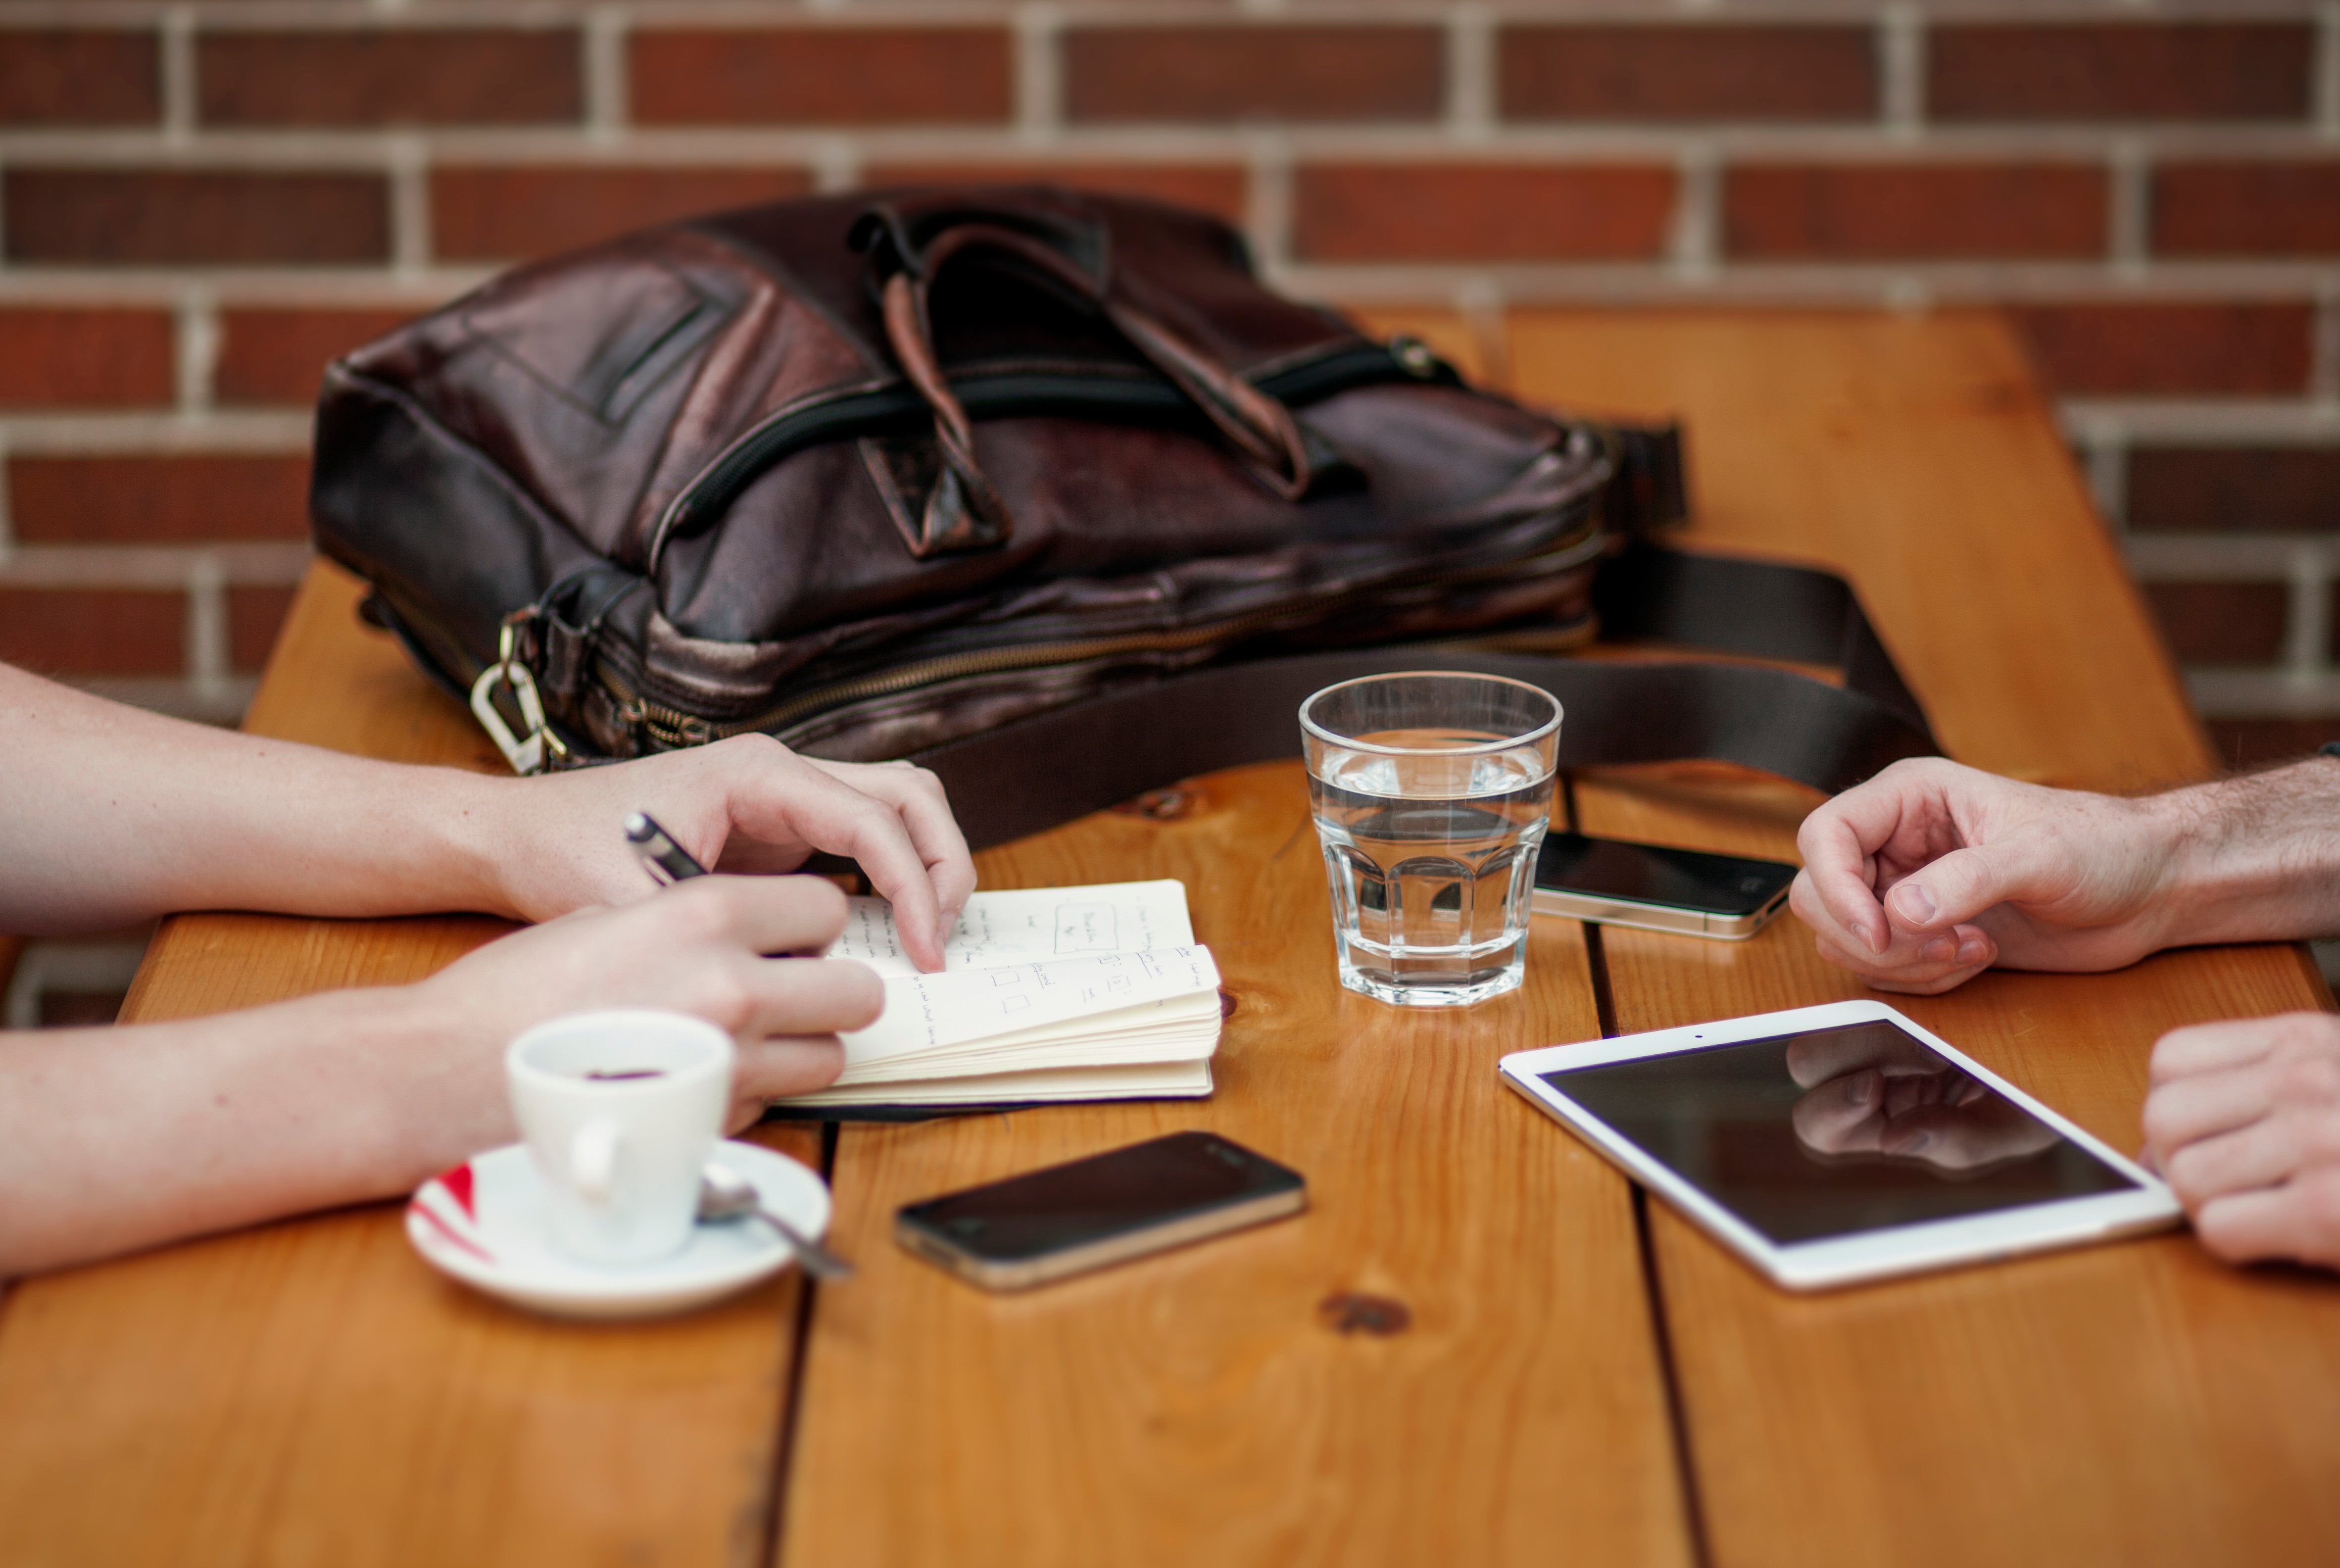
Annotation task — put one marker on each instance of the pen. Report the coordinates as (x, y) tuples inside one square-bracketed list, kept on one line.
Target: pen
[(666, 861)]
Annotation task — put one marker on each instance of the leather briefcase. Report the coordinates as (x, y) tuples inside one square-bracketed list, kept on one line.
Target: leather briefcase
[(1043, 488)]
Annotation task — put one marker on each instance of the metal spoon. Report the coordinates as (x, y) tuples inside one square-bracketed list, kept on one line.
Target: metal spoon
[(724, 1194)]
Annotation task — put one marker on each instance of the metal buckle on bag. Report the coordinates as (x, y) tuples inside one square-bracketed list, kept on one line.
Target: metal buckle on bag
[(526, 754)]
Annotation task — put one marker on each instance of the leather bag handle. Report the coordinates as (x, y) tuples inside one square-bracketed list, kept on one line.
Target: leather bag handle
[(1256, 427)]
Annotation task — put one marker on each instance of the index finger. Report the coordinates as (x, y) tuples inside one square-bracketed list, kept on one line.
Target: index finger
[(1837, 842), (917, 796), (831, 815)]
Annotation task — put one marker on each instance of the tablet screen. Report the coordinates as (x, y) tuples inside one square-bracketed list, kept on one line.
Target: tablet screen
[(1831, 1132)]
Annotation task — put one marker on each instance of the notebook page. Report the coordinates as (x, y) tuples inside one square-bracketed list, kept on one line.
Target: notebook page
[(1028, 925), (929, 1012)]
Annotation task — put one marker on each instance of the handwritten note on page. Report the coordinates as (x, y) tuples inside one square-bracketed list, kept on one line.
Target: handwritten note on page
[(1031, 924)]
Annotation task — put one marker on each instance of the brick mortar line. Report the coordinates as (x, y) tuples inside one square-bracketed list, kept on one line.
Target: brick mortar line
[(1946, 282), (1901, 70), (2324, 369), (1038, 69), (2105, 465), (1857, 143), (2307, 634), (2228, 557), (176, 66), (258, 433), (1655, 281), (2263, 691), (2327, 71), (195, 342), (2203, 422), (1472, 112), (2129, 208), (1853, 285), (153, 566), (206, 653), (1267, 213), (603, 64), (302, 15)]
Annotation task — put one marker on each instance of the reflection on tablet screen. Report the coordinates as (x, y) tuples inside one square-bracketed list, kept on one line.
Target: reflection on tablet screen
[(1835, 1131)]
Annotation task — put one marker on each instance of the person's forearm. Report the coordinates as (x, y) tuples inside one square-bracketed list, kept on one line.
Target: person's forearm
[(2255, 859), (112, 1140), (110, 815)]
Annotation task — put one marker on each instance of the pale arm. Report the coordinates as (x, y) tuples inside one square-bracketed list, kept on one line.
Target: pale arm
[(109, 815), (1932, 872), (117, 1140)]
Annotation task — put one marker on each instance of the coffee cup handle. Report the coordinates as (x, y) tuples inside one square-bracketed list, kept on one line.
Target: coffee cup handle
[(594, 1159)]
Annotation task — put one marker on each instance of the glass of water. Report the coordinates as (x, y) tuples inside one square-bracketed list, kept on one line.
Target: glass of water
[(1431, 793)]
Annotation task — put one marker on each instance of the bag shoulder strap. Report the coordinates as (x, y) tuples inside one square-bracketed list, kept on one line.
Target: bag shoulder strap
[(1051, 768)]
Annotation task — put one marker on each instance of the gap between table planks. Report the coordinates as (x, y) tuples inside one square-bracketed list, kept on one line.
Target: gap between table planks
[(1205, 1406), (310, 1392), (2136, 1403)]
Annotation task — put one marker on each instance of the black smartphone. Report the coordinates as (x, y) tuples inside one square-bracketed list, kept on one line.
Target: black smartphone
[(1658, 887), (1070, 1218)]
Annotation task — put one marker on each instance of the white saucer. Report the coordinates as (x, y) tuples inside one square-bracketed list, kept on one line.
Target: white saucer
[(483, 1223)]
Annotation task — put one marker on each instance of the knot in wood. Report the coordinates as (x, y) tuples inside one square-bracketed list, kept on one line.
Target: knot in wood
[(1163, 805), (1347, 1312)]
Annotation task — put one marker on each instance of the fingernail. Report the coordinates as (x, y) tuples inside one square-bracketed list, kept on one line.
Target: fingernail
[(1917, 903), (1971, 951), (1856, 1090), (1938, 951), (1917, 1145)]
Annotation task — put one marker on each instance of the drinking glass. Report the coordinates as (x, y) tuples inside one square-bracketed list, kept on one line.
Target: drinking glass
[(1431, 793)]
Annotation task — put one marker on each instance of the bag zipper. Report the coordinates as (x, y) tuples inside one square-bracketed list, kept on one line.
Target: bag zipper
[(673, 728)]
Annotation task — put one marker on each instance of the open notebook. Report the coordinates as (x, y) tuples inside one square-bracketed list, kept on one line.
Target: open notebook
[(1046, 994)]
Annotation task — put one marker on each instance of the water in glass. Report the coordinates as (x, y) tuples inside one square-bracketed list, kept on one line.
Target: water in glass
[(1432, 858)]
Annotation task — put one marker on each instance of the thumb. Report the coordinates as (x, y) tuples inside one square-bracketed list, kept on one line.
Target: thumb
[(1955, 889)]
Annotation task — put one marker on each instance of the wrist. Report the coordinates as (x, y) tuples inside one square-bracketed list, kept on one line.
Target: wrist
[(439, 1081), (2178, 833), (476, 833), (2255, 858)]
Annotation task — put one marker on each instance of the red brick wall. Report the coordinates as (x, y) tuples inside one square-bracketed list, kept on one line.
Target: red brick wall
[(201, 202)]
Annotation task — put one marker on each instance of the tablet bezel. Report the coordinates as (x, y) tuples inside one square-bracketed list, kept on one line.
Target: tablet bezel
[(1867, 1254)]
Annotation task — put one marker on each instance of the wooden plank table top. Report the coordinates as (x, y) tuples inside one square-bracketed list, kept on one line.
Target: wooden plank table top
[(2135, 1404), (1573, 1374)]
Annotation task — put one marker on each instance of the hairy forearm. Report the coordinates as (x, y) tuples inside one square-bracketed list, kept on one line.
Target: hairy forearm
[(2255, 858), (112, 1140), (110, 815)]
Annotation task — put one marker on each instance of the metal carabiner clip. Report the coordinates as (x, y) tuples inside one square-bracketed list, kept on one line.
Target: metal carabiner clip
[(525, 753)]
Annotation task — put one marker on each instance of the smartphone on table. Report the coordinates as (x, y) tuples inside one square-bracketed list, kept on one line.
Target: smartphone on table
[(1658, 887), (1124, 1203)]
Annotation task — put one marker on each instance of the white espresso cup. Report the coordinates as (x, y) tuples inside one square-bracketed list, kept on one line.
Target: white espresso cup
[(620, 1109)]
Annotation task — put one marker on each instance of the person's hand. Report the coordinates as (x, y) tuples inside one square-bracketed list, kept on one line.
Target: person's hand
[(699, 949), (1878, 1091), (1930, 873), (2244, 1123), (748, 805)]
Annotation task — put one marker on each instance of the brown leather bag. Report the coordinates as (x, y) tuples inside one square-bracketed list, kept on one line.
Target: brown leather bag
[(895, 473)]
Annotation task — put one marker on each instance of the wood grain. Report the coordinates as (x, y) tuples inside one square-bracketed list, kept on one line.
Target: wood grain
[(2136, 1402), (1198, 1407), (310, 1392)]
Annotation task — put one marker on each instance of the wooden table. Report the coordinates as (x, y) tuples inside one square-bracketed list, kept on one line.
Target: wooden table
[(1579, 1377)]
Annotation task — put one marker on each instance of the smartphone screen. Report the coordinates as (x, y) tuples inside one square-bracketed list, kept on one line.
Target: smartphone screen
[(1655, 873), (1181, 1186)]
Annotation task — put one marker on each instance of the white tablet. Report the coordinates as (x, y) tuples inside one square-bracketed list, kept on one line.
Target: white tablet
[(1840, 1143)]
